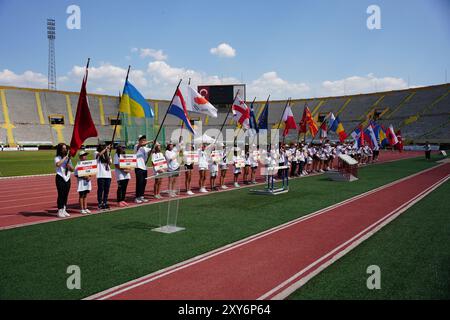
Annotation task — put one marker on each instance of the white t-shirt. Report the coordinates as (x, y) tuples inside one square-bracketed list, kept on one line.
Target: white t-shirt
[(172, 161), (120, 173), (61, 170), (224, 160), (202, 160), (253, 160), (141, 156), (83, 184), (102, 171), (213, 167)]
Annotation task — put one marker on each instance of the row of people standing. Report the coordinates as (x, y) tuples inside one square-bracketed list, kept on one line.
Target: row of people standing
[(64, 168)]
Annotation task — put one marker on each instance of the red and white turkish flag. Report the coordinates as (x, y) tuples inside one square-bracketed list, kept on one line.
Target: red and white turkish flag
[(241, 113)]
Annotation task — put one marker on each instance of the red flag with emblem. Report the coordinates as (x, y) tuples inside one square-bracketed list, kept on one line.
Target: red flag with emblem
[(84, 126)]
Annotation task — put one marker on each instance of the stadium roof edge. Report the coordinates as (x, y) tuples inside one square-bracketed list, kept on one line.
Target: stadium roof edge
[(258, 101)]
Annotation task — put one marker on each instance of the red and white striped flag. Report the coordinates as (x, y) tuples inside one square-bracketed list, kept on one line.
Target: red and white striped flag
[(289, 121)]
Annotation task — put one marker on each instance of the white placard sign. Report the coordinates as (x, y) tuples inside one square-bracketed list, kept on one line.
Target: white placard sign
[(127, 161), (159, 163), (216, 155), (347, 159), (190, 157), (87, 168), (239, 163)]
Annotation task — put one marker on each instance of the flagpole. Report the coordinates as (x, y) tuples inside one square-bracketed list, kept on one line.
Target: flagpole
[(226, 117), (163, 120), (182, 122), (84, 79)]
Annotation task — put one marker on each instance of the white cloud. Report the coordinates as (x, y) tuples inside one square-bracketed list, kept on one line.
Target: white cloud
[(223, 50), (278, 88), (150, 53), (357, 84), (159, 79), (164, 77), (107, 78), (26, 79)]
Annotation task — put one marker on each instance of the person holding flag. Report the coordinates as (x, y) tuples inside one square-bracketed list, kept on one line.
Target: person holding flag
[(142, 154), (63, 168), (83, 129), (133, 104)]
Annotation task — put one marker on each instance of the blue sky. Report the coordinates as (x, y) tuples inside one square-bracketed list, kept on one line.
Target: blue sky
[(286, 48)]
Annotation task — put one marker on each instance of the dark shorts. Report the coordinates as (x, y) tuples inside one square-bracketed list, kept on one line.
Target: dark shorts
[(83, 193), (189, 166)]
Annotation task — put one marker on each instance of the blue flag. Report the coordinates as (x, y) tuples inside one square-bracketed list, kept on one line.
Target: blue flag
[(264, 117), (253, 124)]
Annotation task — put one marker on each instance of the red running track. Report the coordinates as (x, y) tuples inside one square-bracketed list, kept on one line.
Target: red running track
[(31, 200), (274, 263)]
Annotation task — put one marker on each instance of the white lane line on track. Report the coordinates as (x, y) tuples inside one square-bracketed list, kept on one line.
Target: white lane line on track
[(166, 271)]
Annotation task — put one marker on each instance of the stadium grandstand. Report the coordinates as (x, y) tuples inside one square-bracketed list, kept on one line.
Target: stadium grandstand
[(39, 117)]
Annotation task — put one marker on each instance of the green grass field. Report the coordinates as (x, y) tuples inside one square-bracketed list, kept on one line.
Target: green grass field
[(26, 163), (412, 253), (119, 246), (30, 162)]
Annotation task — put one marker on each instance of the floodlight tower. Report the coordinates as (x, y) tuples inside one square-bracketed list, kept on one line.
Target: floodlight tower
[(51, 35)]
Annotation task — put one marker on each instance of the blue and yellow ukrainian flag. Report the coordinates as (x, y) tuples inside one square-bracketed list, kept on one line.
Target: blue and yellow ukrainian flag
[(134, 104)]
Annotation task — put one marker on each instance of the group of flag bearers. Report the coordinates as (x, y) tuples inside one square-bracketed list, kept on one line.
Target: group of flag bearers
[(214, 158)]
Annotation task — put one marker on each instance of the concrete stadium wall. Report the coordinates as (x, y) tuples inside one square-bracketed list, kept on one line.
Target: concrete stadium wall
[(421, 113)]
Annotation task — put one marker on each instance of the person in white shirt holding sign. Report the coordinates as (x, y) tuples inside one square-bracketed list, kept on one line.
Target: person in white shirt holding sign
[(214, 169), (223, 167), (171, 155), (62, 179), (203, 160), (189, 166), (84, 186), (159, 166), (123, 176), (103, 175), (237, 169), (254, 155), (142, 153)]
